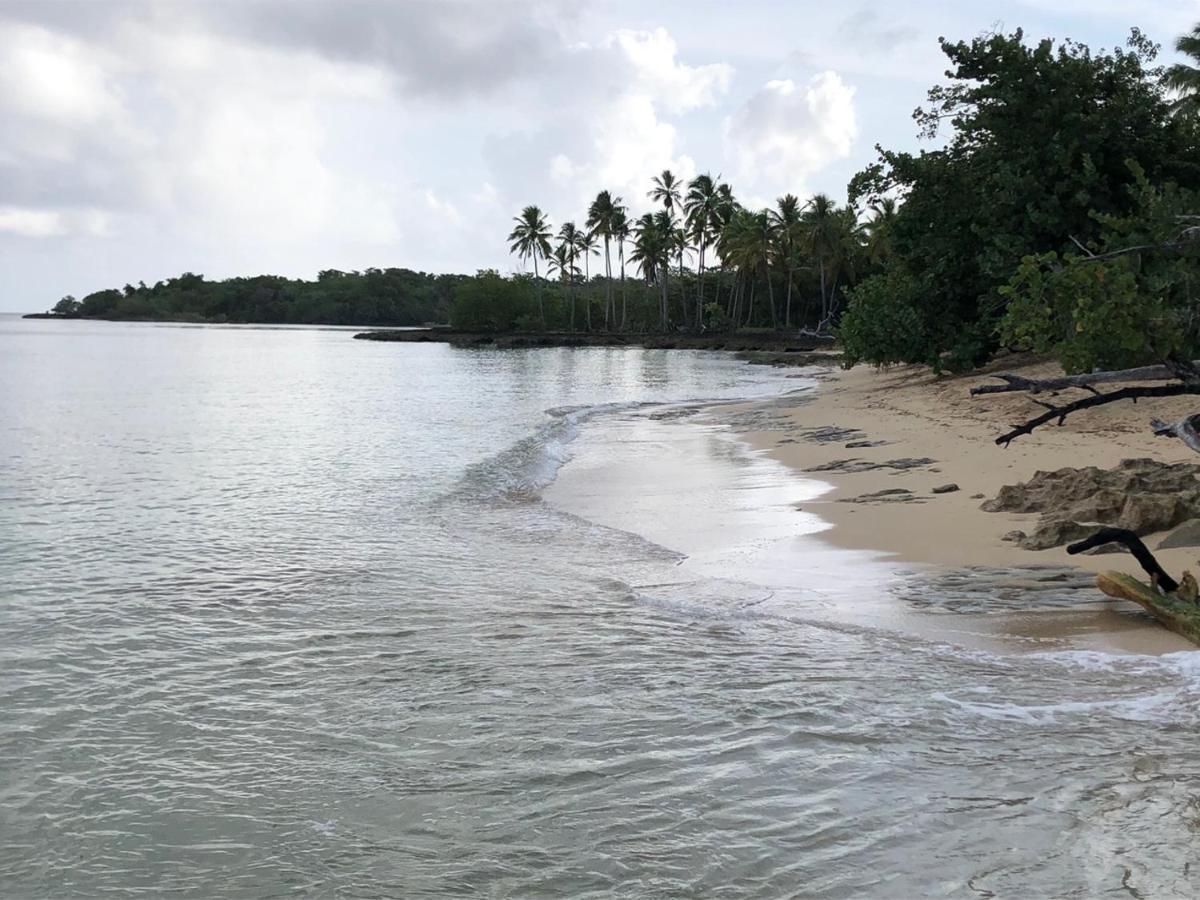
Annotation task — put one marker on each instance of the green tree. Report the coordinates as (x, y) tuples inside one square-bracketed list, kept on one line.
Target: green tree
[(788, 226), (530, 239), (700, 207), (1184, 78), (601, 221), (652, 253)]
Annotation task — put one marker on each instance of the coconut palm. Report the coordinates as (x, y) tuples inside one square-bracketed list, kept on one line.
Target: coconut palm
[(1183, 78), (700, 207), (666, 191), (821, 236), (531, 240), (788, 227), (568, 236), (879, 230), (600, 222), (586, 245), (620, 233), (561, 262), (652, 253)]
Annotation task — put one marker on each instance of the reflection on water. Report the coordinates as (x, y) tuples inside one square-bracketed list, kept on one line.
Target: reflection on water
[(286, 614)]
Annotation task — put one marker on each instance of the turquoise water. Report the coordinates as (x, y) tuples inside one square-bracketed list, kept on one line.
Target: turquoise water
[(287, 614)]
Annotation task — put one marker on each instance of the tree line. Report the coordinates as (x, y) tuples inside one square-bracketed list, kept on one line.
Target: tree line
[(1062, 215), (373, 297)]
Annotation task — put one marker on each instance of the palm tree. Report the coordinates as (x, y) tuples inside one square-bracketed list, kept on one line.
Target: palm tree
[(560, 262), (531, 239), (700, 207), (821, 235), (652, 253), (620, 233), (879, 229), (1184, 79), (568, 237), (586, 243), (600, 221), (785, 220), (666, 191)]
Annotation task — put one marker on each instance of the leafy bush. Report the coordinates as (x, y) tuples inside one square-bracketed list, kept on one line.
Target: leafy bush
[(883, 324), (491, 303)]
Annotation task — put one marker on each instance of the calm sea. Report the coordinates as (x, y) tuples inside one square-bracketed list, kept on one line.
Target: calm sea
[(288, 614)]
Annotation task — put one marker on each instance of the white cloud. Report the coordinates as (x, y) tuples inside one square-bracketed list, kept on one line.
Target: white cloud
[(785, 133), (41, 223)]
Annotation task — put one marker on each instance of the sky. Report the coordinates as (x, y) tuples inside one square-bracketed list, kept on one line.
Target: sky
[(140, 139)]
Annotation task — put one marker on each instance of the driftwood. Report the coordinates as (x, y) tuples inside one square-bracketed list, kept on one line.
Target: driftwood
[(1134, 545), (1184, 376)]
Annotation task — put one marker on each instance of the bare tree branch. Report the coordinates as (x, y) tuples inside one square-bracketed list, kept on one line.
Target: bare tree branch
[(1013, 382), (1061, 412)]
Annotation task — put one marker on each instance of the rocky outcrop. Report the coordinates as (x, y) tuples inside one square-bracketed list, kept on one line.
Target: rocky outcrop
[(1143, 495)]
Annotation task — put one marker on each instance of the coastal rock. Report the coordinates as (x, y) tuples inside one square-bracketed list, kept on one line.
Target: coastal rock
[(860, 445), (1143, 495), (1186, 535), (852, 465), (1013, 536), (830, 434), (945, 488), (888, 495)]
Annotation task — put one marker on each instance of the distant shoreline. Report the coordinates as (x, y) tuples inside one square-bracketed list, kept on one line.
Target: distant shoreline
[(765, 342)]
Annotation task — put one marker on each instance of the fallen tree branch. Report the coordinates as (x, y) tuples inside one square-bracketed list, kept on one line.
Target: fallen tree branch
[(1134, 545), (1014, 383), (1061, 412)]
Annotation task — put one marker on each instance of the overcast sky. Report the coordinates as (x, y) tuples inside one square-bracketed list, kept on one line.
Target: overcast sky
[(140, 139)]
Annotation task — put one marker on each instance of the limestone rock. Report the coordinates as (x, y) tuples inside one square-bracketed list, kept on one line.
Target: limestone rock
[(945, 488)]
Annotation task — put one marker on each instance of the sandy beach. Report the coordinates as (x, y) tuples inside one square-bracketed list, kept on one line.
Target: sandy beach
[(910, 414)]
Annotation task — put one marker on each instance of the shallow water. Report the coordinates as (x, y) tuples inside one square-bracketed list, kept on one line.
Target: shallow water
[(286, 613)]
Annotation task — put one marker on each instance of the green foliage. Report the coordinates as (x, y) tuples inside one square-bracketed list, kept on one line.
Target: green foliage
[(491, 303), (373, 297), (1135, 308), (67, 306), (1043, 135), (884, 324)]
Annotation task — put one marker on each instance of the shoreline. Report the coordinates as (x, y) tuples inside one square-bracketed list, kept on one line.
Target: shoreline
[(938, 435)]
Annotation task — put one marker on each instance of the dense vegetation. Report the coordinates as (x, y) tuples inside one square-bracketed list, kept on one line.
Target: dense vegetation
[(373, 297), (1058, 158)]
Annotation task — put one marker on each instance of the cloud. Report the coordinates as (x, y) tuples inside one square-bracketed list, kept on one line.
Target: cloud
[(615, 123), (785, 133)]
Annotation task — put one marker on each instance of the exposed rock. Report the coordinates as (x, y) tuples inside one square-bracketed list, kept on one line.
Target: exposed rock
[(888, 495), (977, 496), (945, 488), (1142, 495), (829, 434), (1186, 535), (858, 445), (863, 465), (1014, 536)]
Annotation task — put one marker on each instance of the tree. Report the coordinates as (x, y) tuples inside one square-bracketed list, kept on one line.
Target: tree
[(601, 220), (68, 307), (789, 232), (821, 234), (652, 253), (666, 191), (1042, 134), (586, 243), (1184, 79), (568, 236), (700, 207), (531, 239), (621, 232)]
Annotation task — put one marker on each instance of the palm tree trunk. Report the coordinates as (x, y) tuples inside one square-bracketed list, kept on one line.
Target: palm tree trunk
[(824, 302), (787, 307), (750, 305), (624, 290), (538, 281), (608, 300), (771, 297), (700, 288), (587, 301)]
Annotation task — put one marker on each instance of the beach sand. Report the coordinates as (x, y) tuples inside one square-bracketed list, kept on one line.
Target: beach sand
[(918, 415)]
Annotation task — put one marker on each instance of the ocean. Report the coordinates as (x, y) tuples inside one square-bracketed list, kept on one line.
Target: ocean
[(288, 614)]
